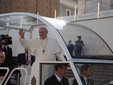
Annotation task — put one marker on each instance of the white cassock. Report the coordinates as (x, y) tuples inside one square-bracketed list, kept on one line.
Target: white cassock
[(36, 46)]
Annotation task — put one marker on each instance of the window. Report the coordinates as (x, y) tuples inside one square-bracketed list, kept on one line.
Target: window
[(17, 7), (68, 12), (5, 6), (75, 1)]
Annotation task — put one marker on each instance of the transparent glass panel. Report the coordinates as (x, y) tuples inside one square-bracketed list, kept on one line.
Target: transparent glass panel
[(16, 22), (10, 24), (91, 6), (102, 73), (94, 46), (35, 32), (47, 70)]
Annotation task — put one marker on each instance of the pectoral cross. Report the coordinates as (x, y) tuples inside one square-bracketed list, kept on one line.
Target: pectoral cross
[(43, 51)]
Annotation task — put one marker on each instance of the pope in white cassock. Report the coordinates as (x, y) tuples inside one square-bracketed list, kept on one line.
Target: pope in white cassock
[(45, 49)]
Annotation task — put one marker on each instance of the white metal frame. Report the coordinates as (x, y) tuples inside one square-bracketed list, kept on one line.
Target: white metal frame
[(4, 68), (14, 71)]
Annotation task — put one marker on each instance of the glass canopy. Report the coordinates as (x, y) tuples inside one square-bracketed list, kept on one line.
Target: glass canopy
[(95, 46), (62, 31)]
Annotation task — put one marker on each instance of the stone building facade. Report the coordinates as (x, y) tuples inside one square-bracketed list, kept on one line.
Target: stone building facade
[(48, 7), (84, 6), (44, 7)]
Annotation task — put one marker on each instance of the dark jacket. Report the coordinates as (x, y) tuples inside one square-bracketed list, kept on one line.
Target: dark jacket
[(2, 72), (83, 81), (22, 59), (53, 81), (70, 48)]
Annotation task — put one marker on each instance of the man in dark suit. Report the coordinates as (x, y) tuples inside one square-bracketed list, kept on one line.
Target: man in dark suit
[(24, 60), (87, 73), (58, 78), (70, 48)]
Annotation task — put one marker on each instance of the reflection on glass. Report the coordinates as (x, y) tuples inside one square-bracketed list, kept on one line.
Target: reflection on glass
[(92, 45), (101, 74)]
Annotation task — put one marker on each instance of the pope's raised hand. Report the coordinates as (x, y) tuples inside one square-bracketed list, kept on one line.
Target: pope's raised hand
[(21, 33)]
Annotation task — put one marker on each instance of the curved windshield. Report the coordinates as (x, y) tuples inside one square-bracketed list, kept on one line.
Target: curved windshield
[(82, 42), (93, 45)]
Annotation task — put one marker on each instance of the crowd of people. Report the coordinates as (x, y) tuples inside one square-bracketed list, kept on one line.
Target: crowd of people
[(7, 59), (76, 50)]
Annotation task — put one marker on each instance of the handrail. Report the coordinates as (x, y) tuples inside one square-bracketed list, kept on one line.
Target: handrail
[(52, 62), (4, 68), (77, 60), (19, 68)]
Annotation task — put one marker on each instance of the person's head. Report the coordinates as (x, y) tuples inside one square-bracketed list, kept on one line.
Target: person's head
[(26, 51), (43, 32), (69, 41), (87, 70), (79, 37), (2, 56), (61, 69)]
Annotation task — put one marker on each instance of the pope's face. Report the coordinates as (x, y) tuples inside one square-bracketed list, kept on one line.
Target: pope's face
[(2, 58), (43, 33)]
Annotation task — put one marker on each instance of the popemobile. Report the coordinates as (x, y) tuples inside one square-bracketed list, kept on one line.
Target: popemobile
[(95, 31)]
